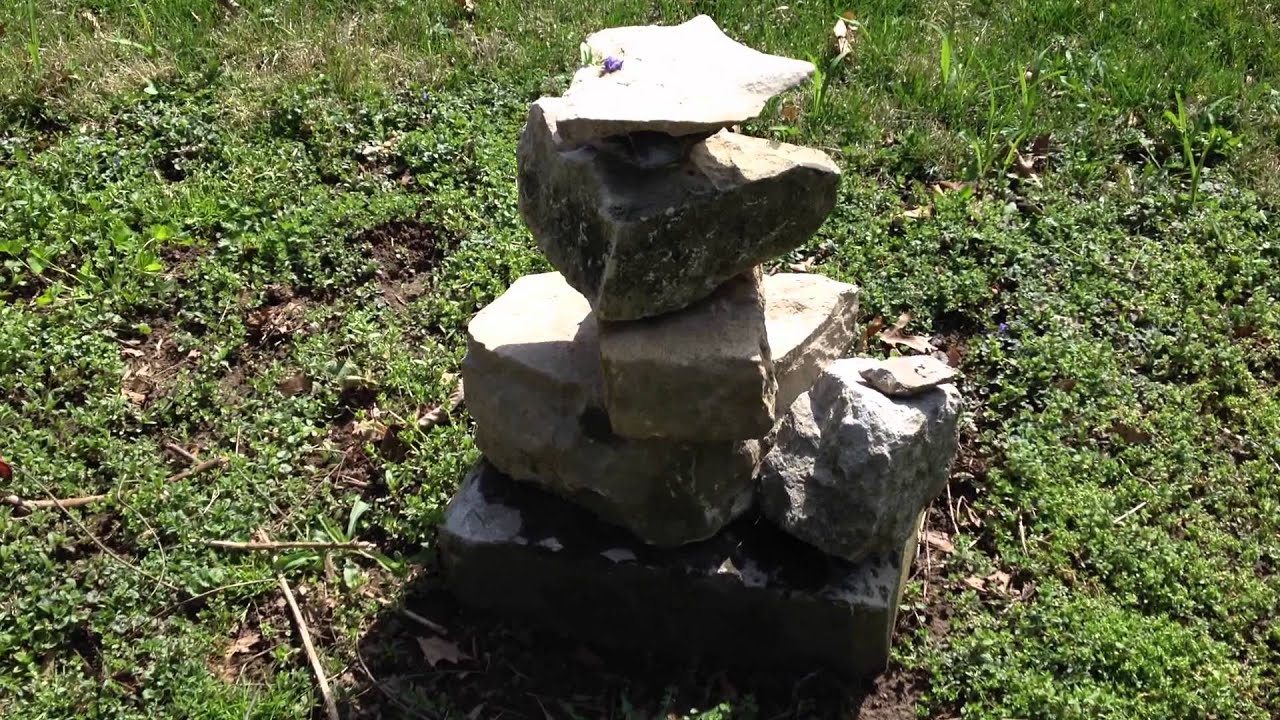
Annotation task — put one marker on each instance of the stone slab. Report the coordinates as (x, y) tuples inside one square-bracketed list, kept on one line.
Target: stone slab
[(677, 80), (812, 321), (639, 240), (908, 375), (749, 596), (852, 468), (702, 374), (534, 389)]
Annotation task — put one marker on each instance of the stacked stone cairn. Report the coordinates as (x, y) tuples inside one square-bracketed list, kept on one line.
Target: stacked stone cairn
[(676, 457)]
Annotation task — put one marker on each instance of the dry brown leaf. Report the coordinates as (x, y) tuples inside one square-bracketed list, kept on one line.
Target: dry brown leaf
[(872, 329), (437, 650), (1129, 433), (917, 213), (976, 583), (897, 335), (1040, 146), (999, 581), (790, 112), (136, 398), (369, 430), (241, 644), (949, 186), (1024, 166), (803, 266), (296, 384), (939, 541), (842, 38), (954, 357)]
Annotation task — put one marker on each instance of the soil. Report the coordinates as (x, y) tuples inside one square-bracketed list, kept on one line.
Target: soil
[(407, 252)]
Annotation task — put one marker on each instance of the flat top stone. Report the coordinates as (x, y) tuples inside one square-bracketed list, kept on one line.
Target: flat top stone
[(796, 305), (679, 80), (534, 308), (907, 375)]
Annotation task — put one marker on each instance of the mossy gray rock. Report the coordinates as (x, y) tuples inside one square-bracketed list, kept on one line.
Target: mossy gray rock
[(641, 238)]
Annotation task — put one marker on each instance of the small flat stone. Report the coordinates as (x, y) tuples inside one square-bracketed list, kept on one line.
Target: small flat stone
[(677, 80), (811, 321), (534, 389), (908, 375), (643, 228), (748, 596), (702, 374), (852, 468)]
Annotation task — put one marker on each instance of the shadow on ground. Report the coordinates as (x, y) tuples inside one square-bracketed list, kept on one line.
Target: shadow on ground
[(508, 671)]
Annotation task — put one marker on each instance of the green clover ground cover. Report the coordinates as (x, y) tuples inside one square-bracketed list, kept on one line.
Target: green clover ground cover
[(258, 234)]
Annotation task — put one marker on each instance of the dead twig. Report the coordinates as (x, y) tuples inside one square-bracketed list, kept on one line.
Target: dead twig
[(1129, 512), (330, 707), (431, 625), (101, 546), (385, 692), (290, 545), (179, 450), (441, 413), (22, 504), (197, 469)]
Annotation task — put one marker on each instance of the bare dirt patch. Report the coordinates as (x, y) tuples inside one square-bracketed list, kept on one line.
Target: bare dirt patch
[(152, 364), (407, 252)]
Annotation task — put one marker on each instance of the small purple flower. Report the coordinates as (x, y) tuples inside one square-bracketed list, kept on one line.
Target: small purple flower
[(612, 64), (1004, 328)]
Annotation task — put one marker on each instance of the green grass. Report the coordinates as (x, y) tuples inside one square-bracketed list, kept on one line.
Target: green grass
[(195, 208)]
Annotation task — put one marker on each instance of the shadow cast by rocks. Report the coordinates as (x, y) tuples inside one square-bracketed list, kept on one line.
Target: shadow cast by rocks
[(506, 669)]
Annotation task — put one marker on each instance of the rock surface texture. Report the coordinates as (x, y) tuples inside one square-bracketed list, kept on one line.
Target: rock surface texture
[(643, 241), (532, 374), (677, 80), (908, 375), (811, 321), (749, 596), (700, 375), (852, 468)]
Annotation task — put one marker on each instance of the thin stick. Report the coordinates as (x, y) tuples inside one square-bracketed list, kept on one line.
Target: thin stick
[(331, 708), (101, 546), (431, 625), (1129, 512), (290, 545), (951, 513), (214, 591), (178, 449), (385, 692), (441, 413), (196, 470), (22, 504)]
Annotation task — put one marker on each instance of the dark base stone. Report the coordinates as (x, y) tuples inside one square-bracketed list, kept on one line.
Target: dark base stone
[(749, 596)]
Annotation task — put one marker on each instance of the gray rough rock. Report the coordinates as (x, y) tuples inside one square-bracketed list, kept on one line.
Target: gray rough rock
[(643, 241), (908, 375), (702, 374), (677, 80), (852, 468), (811, 321), (749, 596), (532, 374)]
